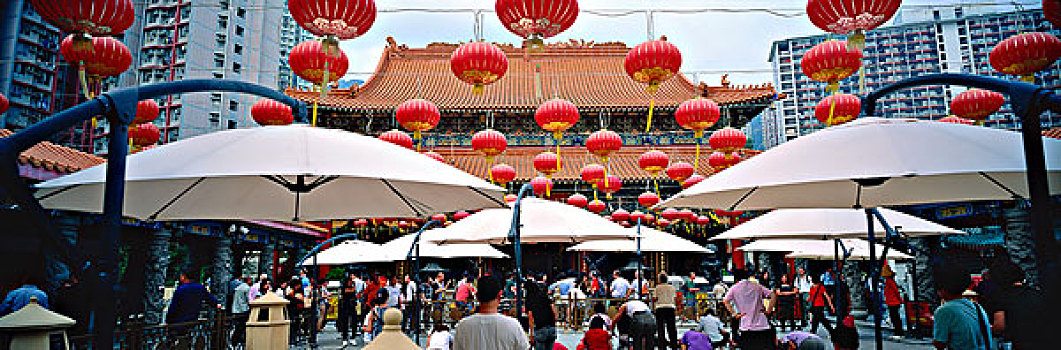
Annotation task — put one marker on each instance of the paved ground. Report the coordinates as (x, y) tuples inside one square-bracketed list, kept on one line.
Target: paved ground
[(330, 339)]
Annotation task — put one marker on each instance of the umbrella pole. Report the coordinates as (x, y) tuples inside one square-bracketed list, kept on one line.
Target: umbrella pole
[(414, 255), (517, 250), (874, 277), (839, 266), (313, 253), (640, 274)]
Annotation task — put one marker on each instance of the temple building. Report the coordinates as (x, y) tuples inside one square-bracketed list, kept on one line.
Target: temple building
[(588, 74)]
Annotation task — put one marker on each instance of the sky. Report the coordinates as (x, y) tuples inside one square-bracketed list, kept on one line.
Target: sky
[(730, 38)]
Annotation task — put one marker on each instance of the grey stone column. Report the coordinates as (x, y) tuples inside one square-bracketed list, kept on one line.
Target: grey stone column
[(265, 260), (856, 284), (221, 272), (56, 271), (924, 286), (1020, 241), (155, 275)]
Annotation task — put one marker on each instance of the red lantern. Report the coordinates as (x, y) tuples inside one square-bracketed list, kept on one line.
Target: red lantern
[(577, 200), (620, 215), (72, 50), (417, 115), (94, 17), (146, 111), (441, 218), (541, 185), (637, 216), (610, 184), (956, 120), (110, 57), (1052, 11), (976, 104), (271, 112), (309, 61), (692, 180), (335, 19), (686, 214), (144, 134), (596, 206), (478, 63), (649, 218), (663, 223), (648, 199), (490, 143), (670, 214), (703, 220), (727, 140), (717, 161), (837, 109), (3, 104), (502, 173), (591, 173), (509, 198), (460, 215), (535, 20), (603, 143), (697, 114), (653, 161), (556, 116), (361, 223), (1025, 54), (732, 214), (653, 62), (851, 16), (830, 62), (397, 137), (434, 155), (680, 171), (547, 163)]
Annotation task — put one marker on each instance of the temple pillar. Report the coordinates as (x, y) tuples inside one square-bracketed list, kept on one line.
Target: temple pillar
[(265, 260), (158, 250), (924, 285), (221, 272), (1020, 240)]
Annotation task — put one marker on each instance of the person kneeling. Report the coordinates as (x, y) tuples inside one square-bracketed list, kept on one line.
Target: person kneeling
[(642, 324)]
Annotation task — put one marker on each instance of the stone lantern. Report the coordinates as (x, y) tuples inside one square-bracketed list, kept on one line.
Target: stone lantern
[(392, 338), (32, 327), (268, 324)]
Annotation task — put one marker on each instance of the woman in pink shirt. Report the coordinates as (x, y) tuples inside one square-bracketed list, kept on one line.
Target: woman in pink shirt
[(745, 301)]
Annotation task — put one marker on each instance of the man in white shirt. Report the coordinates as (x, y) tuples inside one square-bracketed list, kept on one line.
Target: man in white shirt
[(487, 329), (620, 287)]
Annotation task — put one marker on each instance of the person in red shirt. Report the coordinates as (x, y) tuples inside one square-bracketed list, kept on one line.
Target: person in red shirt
[(892, 298), (596, 338), (369, 293), (819, 298)]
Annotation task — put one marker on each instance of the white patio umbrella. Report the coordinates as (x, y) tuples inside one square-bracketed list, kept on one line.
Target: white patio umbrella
[(875, 162), (542, 220), (278, 173), (349, 252), (652, 240), (853, 249), (829, 224), (897, 162), (398, 248)]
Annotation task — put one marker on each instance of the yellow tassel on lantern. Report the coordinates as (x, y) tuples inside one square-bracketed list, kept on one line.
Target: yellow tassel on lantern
[(696, 160), (477, 89), (1028, 78), (651, 108), (416, 136)]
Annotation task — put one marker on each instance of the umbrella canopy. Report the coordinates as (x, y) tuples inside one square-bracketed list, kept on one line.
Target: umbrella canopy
[(652, 240), (829, 224), (854, 249), (897, 161), (433, 267), (542, 221), (349, 252), (399, 247), (278, 173)]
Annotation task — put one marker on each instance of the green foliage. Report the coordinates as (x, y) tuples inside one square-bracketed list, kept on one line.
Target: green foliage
[(335, 274)]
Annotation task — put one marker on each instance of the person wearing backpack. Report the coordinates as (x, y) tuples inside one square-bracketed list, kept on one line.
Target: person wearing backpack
[(374, 320), (960, 323)]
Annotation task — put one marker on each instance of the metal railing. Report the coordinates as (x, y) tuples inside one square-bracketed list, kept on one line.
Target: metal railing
[(210, 333)]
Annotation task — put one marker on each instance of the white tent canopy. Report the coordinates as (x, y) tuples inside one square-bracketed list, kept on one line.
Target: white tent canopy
[(652, 240), (856, 249), (898, 161), (278, 173), (828, 224), (542, 220), (397, 248), (349, 252)]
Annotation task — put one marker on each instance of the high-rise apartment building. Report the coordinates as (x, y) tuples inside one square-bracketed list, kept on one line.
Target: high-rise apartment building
[(290, 35), (224, 39), (924, 41)]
